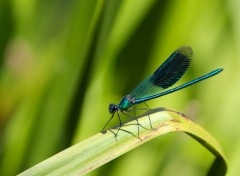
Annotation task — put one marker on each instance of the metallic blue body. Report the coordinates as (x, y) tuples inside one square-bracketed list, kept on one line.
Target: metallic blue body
[(165, 76)]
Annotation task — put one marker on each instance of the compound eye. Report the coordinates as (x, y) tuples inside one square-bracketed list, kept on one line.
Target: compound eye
[(112, 108)]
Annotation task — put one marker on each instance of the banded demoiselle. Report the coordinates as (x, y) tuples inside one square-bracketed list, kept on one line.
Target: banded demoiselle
[(164, 77)]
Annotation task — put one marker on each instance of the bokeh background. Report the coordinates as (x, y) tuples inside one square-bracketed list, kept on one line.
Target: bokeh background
[(63, 62)]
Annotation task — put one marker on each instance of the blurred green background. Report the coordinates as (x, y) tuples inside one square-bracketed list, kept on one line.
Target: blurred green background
[(63, 62)]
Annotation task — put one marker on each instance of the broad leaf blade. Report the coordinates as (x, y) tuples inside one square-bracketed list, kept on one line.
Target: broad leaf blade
[(102, 148)]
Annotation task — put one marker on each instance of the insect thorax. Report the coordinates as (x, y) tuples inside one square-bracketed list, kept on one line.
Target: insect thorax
[(126, 103)]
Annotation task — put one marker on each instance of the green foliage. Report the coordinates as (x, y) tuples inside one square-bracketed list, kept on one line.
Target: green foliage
[(101, 148), (63, 62)]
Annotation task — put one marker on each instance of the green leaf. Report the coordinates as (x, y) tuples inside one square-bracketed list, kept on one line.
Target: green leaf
[(102, 148)]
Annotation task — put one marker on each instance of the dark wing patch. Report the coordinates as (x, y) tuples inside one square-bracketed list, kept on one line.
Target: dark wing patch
[(173, 68)]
